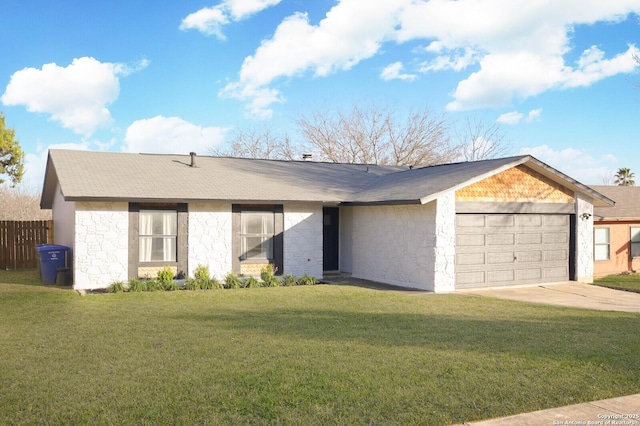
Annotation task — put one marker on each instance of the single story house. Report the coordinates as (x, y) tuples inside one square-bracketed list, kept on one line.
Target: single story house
[(617, 232), (486, 223)]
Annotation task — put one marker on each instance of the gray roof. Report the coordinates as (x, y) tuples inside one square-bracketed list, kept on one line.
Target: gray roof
[(627, 199), (109, 176)]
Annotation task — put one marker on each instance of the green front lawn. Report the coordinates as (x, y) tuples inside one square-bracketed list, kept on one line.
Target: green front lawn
[(299, 355), (629, 282)]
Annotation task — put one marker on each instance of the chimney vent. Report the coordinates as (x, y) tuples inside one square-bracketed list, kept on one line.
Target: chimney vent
[(307, 157), (193, 159)]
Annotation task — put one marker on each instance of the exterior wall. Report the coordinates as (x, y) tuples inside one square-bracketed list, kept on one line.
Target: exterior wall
[(101, 244), (619, 250), (303, 240), (584, 239), (346, 239), (64, 219), (444, 278), (396, 244), (210, 238)]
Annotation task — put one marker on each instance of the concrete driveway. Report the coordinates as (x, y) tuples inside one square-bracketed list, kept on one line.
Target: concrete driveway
[(573, 294)]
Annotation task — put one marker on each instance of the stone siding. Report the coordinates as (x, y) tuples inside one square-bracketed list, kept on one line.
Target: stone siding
[(444, 276), (303, 240), (396, 244), (584, 239), (210, 238), (101, 244)]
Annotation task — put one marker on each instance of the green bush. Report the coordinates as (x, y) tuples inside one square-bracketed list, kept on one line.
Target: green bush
[(153, 285), (171, 286), (267, 276), (289, 280), (307, 280), (252, 282), (117, 287), (192, 284), (165, 276), (136, 285), (232, 281)]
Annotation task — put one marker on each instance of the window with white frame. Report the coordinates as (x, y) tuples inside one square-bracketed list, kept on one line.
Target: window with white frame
[(158, 235), (635, 242), (601, 244), (256, 234)]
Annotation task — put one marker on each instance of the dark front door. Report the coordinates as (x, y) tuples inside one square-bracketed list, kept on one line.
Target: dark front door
[(330, 233)]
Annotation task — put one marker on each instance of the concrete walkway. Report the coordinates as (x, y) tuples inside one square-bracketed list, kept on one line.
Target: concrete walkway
[(572, 294), (624, 410)]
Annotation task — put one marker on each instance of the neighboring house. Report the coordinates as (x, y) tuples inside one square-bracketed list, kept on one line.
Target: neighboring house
[(473, 224), (617, 231)]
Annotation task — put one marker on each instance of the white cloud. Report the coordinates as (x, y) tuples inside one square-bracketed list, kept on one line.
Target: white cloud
[(170, 135), (348, 34), (76, 96), (211, 20), (393, 72), (514, 117), (518, 47), (578, 164), (534, 114)]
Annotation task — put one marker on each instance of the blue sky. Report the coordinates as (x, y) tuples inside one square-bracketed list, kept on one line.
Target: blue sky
[(174, 77)]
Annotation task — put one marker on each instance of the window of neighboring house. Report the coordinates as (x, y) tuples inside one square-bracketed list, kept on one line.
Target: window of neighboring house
[(635, 242), (601, 244), (158, 235), (256, 234)]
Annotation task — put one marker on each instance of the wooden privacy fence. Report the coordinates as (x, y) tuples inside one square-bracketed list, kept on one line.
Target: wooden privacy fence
[(18, 241)]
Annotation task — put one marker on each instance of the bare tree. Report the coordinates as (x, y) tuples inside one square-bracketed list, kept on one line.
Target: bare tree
[(479, 141), (257, 143), (374, 136), (20, 204), (606, 179)]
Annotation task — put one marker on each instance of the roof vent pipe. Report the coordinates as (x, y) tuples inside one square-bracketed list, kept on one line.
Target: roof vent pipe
[(193, 159), (307, 157)]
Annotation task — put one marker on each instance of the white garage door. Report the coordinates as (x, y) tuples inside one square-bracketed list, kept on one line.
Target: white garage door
[(508, 249)]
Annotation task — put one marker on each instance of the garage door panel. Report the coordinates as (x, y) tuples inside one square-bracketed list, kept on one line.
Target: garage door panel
[(556, 255), (530, 256), (508, 249), (500, 276), (506, 221), (501, 239), (529, 238), (500, 257), (470, 259), (470, 279), (470, 240), (555, 238), (556, 274), (529, 220)]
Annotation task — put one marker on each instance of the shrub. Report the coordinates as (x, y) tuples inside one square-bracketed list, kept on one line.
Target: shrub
[(289, 280), (165, 276), (232, 281), (192, 284), (136, 285), (307, 280), (252, 282), (170, 286), (267, 276), (116, 287), (153, 285)]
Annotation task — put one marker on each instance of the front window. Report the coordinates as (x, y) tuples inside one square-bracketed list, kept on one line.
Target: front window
[(635, 242), (158, 235), (256, 235), (601, 244)]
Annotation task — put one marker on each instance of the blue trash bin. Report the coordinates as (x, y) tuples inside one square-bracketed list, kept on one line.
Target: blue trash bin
[(51, 258)]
